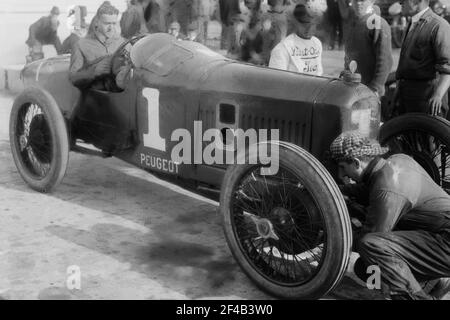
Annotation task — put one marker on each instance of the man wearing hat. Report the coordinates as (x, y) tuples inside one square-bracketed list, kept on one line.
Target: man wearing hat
[(43, 32), (406, 229), (301, 51), (368, 42)]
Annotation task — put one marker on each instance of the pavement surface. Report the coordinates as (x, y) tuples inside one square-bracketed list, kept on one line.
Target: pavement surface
[(131, 235)]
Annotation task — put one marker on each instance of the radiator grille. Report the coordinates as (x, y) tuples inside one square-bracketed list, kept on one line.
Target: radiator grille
[(289, 130)]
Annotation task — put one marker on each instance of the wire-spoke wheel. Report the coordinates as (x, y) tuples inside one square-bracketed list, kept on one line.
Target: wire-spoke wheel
[(424, 138), (39, 139), (290, 232)]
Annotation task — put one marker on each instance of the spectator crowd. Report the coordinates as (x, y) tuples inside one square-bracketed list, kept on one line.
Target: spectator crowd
[(290, 35)]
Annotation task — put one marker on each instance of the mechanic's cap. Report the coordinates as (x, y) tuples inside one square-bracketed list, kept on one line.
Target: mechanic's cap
[(353, 144), (304, 14), (55, 11)]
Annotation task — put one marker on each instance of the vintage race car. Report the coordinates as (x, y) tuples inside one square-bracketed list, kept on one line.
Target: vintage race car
[(288, 229)]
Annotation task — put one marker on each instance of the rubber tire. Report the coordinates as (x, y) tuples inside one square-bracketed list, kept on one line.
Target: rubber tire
[(59, 134), (337, 221), (437, 126)]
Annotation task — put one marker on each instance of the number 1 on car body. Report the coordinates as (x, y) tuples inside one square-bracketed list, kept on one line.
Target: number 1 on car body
[(153, 139)]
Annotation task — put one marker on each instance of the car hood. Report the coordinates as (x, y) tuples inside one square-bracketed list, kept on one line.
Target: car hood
[(170, 62)]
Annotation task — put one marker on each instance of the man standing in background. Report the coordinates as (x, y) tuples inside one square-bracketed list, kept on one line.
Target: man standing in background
[(189, 13), (334, 21), (274, 27), (301, 51), (424, 67), (229, 11), (250, 40), (132, 22), (76, 23), (141, 17), (368, 42), (43, 32), (153, 16)]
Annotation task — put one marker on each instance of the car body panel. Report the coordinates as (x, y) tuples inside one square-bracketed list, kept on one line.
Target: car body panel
[(176, 83)]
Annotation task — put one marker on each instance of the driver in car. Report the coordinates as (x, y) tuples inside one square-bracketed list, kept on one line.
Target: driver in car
[(91, 63)]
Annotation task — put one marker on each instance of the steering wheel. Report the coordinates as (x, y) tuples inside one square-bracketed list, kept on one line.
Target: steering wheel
[(122, 56)]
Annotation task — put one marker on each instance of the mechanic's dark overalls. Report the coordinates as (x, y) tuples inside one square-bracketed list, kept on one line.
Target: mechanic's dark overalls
[(407, 227), (424, 55)]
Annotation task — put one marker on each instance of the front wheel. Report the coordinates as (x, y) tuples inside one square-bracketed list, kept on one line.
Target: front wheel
[(39, 139), (289, 232)]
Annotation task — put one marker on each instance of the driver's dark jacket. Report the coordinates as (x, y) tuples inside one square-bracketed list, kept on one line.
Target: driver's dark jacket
[(402, 195), (87, 53)]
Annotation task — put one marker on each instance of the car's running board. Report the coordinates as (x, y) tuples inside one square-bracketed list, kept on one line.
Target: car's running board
[(89, 150), (209, 192)]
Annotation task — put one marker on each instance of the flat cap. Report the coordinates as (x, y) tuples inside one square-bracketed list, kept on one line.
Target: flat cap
[(353, 144)]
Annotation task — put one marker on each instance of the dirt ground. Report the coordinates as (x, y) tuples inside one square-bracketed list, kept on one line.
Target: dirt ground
[(132, 236)]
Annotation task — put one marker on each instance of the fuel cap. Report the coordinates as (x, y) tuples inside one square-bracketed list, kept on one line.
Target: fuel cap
[(350, 76)]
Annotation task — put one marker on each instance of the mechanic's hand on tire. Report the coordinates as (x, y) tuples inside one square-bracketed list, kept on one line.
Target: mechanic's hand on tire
[(103, 67)]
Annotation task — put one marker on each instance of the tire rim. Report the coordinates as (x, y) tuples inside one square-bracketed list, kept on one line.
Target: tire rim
[(34, 140), (428, 150), (279, 227)]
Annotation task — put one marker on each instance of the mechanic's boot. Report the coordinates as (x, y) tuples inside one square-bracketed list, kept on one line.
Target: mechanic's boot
[(440, 289)]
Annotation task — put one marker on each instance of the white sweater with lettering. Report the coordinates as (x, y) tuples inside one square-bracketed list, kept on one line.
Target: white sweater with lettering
[(298, 55)]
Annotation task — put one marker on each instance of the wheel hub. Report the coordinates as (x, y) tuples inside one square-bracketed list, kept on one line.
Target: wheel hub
[(282, 219), (282, 215), (264, 228), (287, 230), (39, 138)]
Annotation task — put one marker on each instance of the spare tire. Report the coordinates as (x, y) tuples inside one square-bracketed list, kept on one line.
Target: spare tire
[(425, 138)]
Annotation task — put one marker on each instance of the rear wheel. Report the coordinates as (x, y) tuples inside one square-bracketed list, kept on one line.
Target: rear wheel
[(289, 232), (426, 139), (39, 139)]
